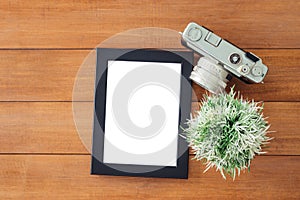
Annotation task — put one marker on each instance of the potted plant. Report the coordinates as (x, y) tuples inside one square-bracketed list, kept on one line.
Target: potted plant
[(227, 132)]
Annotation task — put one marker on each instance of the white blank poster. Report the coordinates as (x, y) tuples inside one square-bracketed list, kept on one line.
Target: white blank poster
[(121, 146)]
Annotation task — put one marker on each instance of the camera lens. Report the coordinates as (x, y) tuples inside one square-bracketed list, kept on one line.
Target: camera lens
[(210, 75)]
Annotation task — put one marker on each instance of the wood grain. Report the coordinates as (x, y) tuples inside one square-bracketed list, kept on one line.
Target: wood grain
[(48, 127), (45, 155), (49, 75), (38, 75), (38, 128), (85, 23), (67, 177)]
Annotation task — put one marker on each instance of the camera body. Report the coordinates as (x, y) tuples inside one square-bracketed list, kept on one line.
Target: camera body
[(223, 56)]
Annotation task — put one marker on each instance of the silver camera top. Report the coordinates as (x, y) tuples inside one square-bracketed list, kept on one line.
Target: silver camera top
[(223, 56)]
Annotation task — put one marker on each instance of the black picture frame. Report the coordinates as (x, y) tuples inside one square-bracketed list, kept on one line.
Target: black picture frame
[(145, 55)]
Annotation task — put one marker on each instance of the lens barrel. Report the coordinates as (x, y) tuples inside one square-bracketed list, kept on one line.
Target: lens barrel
[(210, 75)]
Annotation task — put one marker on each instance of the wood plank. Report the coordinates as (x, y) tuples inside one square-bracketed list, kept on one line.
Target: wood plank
[(49, 75), (84, 24), (67, 177), (48, 127), (38, 127), (38, 75)]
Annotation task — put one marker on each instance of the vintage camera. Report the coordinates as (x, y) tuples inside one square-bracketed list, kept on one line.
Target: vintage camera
[(221, 59)]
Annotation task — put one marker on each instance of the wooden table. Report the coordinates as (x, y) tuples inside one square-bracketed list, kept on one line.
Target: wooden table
[(43, 43)]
